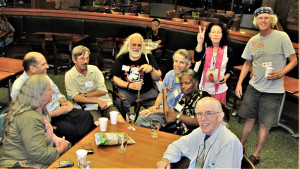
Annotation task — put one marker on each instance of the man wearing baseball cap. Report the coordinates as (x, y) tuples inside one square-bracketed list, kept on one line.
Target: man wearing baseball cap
[(261, 101)]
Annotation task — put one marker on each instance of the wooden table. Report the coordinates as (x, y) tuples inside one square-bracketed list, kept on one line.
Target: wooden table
[(9, 69), (143, 154), (76, 37)]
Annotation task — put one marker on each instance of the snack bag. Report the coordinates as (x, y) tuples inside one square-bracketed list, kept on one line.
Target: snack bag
[(104, 139)]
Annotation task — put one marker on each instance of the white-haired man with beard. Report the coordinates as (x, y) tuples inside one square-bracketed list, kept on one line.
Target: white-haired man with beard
[(133, 55)]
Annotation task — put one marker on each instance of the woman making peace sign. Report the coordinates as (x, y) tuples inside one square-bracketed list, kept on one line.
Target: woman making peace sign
[(216, 66)]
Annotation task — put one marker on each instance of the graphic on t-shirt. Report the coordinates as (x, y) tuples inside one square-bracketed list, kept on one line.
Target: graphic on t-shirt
[(257, 52), (133, 74)]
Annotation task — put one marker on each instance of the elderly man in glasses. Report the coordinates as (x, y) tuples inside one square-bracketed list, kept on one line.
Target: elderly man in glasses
[(211, 145)]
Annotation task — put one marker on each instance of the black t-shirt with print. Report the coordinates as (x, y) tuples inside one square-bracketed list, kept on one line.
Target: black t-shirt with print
[(127, 70)]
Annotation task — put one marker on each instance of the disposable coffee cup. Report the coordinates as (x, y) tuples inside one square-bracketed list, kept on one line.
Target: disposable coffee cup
[(268, 70), (103, 123), (113, 117), (81, 157)]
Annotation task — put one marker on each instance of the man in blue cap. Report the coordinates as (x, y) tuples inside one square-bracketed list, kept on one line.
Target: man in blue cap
[(261, 101)]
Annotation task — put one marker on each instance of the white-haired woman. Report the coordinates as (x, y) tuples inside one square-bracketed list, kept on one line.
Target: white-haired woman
[(28, 138)]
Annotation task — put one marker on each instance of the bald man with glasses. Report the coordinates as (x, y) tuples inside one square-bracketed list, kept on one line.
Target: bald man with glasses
[(212, 145)]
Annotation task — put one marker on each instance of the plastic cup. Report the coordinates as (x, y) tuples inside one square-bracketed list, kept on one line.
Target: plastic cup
[(155, 125), (81, 157), (268, 70), (113, 117), (103, 123)]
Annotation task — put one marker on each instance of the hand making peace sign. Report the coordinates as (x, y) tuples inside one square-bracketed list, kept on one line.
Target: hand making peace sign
[(200, 36)]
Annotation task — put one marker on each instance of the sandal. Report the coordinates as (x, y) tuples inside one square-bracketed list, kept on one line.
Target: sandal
[(254, 160)]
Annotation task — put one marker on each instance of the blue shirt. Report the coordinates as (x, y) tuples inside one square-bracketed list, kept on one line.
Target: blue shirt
[(223, 149), (173, 96), (53, 105)]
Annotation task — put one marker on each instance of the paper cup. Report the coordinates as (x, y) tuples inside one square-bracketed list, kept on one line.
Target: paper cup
[(81, 156), (268, 70), (103, 123), (113, 117)]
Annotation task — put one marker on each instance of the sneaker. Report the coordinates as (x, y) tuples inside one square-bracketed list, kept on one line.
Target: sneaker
[(254, 160)]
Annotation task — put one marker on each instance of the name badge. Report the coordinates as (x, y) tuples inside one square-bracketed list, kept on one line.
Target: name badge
[(88, 84), (125, 68), (178, 107), (175, 93), (267, 64)]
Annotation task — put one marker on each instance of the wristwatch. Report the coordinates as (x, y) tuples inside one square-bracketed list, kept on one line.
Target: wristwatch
[(177, 117), (85, 95)]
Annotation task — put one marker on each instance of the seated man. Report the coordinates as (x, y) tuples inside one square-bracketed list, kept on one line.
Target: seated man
[(85, 84), (134, 71), (6, 26), (211, 145), (157, 36), (183, 114), (71, 123), (181, 60)]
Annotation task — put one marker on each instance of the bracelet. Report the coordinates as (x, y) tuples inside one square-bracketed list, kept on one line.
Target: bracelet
[(152, 69), (128, 85), (177, 117)]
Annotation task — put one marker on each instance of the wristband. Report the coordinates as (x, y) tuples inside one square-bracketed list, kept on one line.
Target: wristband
[(128, 85), (177, 117)]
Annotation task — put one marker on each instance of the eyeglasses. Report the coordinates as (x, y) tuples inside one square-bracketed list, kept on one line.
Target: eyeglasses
[(206, 114)]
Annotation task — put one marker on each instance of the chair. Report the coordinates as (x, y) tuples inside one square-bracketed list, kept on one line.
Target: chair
[(101, 9), (184, 162), (221, 11), (237, 22), (90, 8), (145, 9), (178, 20), (35, 42), (246, 163), (133, 9), (106, 43), (129, 14), (192, 21), (117, 13), (170, 14), (62, 49), (143, 15), (138, 102), (204, 23), (230, 14)]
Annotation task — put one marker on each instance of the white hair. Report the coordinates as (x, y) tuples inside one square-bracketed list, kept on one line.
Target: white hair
[(125, 47), (274, 18)]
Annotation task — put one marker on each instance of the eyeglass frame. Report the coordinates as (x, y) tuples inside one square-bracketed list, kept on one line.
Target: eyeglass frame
[(206, 114)]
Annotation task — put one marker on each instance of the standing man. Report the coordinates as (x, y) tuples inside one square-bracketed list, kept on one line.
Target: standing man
[(211, 145), (74, 124), (269, 48), (182, 60), (157, 36), (134, 70), (85, 84)]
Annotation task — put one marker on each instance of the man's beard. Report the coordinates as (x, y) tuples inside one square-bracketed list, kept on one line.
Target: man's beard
[(84, 66), (134, 54)]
